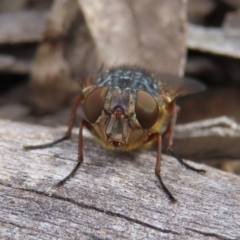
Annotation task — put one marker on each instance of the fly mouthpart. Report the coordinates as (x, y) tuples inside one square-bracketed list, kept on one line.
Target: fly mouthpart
[(116, 144), (117, 128)]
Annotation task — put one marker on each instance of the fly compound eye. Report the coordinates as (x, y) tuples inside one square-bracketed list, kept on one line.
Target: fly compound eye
[(94, 103), (146, 109)]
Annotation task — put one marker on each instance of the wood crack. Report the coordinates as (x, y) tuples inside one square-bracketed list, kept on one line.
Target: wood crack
[(91, 207), (208, 234), (30, 229)]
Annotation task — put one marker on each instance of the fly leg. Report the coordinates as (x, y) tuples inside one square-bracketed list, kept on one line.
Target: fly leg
[(174, 111), (67, 134), (157, 136), (80, 152)]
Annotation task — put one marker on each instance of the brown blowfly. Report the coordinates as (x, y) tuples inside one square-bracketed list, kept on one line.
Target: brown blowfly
[(127, 108)]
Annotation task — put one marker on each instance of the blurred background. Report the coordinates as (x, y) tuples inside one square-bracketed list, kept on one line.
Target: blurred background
[(47, 47)]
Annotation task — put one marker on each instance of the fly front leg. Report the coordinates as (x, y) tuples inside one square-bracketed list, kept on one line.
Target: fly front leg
[(174, 109), (80, 152), (67, 134), (158, 137)]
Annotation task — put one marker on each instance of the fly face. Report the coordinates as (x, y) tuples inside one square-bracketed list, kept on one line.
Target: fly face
[(126, 105), (117, 115), (124, 116)]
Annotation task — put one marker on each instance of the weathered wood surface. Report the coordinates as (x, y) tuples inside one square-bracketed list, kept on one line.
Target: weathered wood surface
[(213, 40), (22, 26), (112, 196), (55, 82), (151, 34), (11, 64), (211, 138)]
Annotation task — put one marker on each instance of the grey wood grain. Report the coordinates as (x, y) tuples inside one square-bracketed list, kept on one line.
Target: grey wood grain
[(147, 33), (213, 40), (112, 196), (22, 26)]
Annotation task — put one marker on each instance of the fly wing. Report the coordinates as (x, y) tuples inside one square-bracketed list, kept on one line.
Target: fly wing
[(175, 86)]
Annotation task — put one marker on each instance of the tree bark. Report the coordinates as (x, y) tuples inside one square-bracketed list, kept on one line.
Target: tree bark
[(113, 195)]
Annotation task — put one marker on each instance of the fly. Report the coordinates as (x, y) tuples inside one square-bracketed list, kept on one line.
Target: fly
[(127, 108)]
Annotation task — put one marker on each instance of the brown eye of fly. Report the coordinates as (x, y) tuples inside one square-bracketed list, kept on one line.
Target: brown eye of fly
[(146, 109), (94, 103)]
